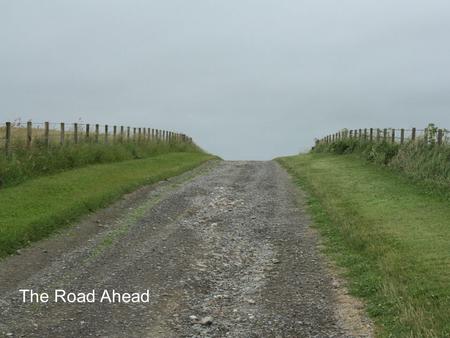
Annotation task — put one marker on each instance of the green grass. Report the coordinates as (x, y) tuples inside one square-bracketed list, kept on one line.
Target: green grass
[(37, 207), (391, 235), (40, 160), (424, 162)]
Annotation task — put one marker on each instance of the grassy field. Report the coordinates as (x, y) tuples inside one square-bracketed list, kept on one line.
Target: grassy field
[(37, 207), (392, 236)]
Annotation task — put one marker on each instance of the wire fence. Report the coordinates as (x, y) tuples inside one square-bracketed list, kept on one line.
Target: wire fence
[(430, 135), (19, 135)]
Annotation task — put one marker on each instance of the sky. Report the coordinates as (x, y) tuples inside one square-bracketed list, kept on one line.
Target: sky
[(247, 79)]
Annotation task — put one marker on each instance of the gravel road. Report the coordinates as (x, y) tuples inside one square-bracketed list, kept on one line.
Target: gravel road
[(225, 251)]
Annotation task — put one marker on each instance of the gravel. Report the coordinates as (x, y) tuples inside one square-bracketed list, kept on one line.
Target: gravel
[(225, 251)]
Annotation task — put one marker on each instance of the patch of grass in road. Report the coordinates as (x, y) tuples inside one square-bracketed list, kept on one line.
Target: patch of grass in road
[(36, 208), (124, 225), (392, 236)]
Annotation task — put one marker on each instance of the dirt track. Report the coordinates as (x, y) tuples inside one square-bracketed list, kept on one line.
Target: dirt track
[(229, 241)]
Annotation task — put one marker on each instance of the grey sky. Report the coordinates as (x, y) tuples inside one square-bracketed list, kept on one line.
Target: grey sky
[(248, 79)]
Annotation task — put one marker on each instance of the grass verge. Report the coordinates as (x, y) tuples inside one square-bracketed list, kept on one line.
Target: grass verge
[(26, 163), (392, 236), (427, 163), (37, 207)]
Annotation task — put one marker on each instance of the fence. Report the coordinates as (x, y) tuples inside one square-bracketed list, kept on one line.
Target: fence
[(15, 135), (430, 135)]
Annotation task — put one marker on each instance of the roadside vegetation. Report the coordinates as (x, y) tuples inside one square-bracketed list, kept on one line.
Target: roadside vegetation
[(423, 160), (37, 207), (43, 158), (391, 235)]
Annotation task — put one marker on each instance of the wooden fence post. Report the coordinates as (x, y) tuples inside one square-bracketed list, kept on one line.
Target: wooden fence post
[(114, 134), (128, 133), (75, 133), (371, 134), (29, 133), (106, 133), (393, 135), (139, 134), (46, 133), (385, 134), (86, 136), (97, 132), (61, 134), (439, 136), (121, 133), (402, 136), (144, 136), (413, 134), (365, 133), (378, 134), (8, 138)]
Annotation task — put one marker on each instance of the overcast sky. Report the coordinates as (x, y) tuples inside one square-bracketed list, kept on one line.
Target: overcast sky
[(247, 79)]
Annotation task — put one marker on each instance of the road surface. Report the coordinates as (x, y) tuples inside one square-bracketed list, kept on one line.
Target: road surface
[(223, 251)]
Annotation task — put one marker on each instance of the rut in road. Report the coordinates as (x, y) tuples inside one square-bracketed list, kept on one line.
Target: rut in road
[(228, 241)]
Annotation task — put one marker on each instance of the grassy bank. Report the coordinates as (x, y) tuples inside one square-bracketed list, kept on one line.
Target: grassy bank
[(392, 236), (37, 207), (422, 161), (25, 163)]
